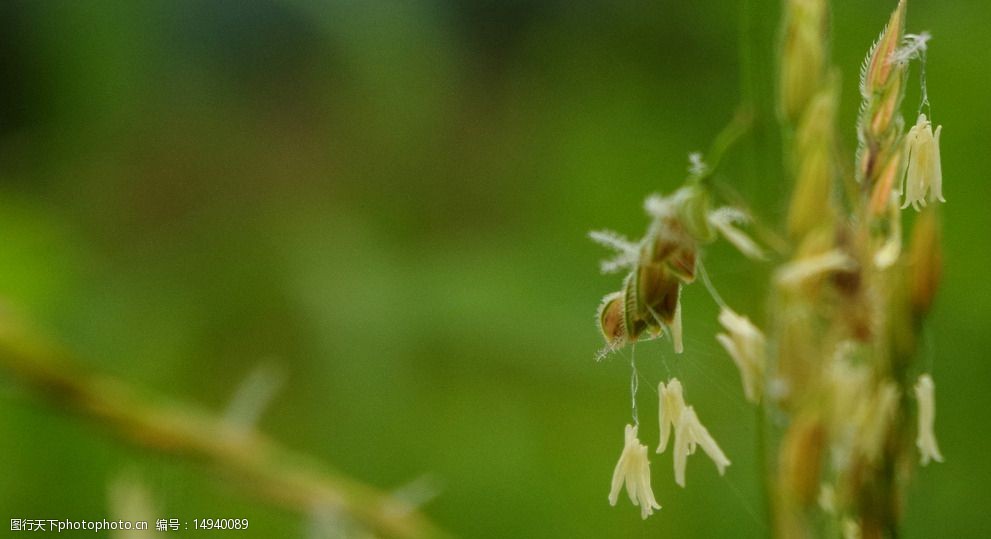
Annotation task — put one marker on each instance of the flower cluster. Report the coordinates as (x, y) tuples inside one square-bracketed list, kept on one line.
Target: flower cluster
[(633, 468), (649, 305), (688, 431), (831, 378)]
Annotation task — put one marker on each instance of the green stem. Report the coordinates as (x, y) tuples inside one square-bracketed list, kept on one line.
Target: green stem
[(757, 169), (747, 89), (762, 168), (737, 127)]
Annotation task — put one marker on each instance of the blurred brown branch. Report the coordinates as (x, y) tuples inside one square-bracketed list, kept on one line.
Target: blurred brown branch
[(269, 471)]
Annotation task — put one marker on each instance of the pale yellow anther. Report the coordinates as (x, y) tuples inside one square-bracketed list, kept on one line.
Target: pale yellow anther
[(746, 345), (926, 437), (924, 177), (633, 470)]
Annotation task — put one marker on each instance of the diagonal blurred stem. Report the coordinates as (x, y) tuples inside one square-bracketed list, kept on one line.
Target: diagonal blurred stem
[(265, 469)]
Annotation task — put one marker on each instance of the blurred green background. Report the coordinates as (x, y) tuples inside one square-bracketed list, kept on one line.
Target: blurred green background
[(387, 201)]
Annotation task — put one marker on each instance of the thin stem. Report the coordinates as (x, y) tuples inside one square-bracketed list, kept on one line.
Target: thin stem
[(750, 72), (757, 73), (269, 471), (709, 287), (734, 130), (763, 467), (634, 384), (747, 89)]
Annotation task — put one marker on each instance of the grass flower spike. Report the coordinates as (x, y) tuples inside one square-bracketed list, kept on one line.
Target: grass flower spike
[(633, 470), (828, 376)]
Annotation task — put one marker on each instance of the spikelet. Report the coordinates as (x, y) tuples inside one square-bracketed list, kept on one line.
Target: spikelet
[(803, 55)]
